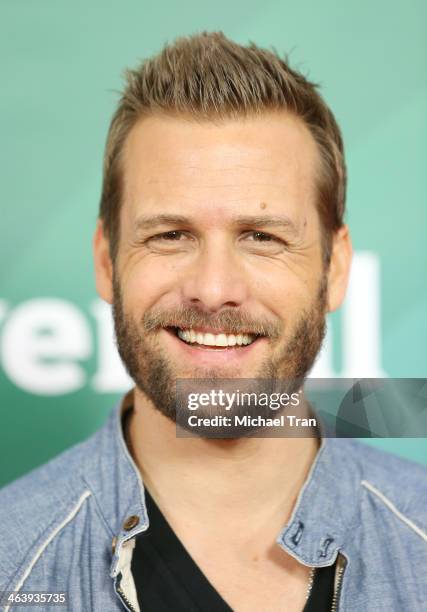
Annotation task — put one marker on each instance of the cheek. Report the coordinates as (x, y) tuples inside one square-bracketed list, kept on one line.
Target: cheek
[(285, 294), (144, 285)]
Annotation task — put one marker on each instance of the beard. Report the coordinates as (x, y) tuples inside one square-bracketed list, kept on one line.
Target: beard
[(156, 375)]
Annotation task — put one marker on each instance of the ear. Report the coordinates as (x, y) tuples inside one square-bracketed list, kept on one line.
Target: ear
[(339, 268), (103, 264)]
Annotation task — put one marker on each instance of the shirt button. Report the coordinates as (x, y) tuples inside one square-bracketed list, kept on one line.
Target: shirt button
[(113, 545), (131, 522)]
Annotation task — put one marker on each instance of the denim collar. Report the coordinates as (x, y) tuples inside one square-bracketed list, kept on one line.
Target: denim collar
[(321, 521)]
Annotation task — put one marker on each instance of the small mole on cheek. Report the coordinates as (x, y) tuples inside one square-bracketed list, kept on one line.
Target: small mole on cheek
[(263, 205)]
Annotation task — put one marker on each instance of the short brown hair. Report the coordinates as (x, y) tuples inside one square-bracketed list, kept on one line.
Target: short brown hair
[(208, 76)]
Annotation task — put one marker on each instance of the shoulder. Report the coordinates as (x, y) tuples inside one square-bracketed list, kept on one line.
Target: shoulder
[(35, 506), (393, 483)]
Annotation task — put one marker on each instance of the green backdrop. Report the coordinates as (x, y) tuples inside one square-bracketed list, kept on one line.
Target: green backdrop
[(61, 66)]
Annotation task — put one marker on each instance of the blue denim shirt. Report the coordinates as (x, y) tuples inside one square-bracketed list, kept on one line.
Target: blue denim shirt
[(69, 525)]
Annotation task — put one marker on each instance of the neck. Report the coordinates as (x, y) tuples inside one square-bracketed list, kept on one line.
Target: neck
[(250, 479)]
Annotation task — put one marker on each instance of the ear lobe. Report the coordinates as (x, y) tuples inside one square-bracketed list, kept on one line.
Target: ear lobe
[(103, 264), (339, 268)]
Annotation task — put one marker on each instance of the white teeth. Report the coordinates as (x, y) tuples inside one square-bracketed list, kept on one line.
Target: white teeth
[(221, 340), (191, 336), (209, 339)]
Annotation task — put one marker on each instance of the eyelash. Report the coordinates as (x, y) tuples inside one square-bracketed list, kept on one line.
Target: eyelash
[(270, 237)]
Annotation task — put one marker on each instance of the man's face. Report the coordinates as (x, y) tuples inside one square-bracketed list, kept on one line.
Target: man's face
[(220, 243)]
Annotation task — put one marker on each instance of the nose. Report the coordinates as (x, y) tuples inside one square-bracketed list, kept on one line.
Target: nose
[(216, 279)]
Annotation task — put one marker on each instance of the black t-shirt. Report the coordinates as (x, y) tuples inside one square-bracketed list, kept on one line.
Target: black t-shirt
[(168, 580)]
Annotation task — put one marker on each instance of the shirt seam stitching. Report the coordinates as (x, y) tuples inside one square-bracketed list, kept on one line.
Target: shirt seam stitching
[(394, 510), (41, 548)]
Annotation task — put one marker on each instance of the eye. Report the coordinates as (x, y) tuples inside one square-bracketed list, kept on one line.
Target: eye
[(263, 237), (173, 241), (261, 242), (172, 235)]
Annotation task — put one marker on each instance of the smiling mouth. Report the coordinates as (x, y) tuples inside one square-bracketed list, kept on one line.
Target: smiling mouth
[(200, 338)]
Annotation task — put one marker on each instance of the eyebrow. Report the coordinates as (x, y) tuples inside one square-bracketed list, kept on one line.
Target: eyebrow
[(284, 222)]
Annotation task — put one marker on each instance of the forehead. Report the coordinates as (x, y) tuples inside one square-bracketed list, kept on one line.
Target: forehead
[(214, 169)]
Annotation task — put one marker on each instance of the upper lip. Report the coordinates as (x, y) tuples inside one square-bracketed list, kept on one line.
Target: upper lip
[(210, 330)]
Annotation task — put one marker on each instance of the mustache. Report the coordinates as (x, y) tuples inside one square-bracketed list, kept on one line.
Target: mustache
[(230, 320)]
